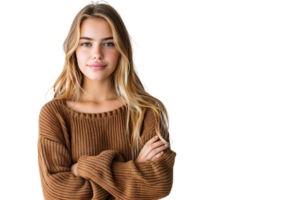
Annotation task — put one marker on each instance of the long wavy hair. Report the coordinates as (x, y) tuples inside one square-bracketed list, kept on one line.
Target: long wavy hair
[(127, 84)]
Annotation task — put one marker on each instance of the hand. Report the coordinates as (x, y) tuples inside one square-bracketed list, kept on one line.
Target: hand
[(151, 151), (74, 169)]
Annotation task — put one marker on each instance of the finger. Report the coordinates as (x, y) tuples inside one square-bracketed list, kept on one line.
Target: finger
[(146, 149), (156, 151), (155, 145), (150, 146), (150, 142), (157, 156), (163, 147)]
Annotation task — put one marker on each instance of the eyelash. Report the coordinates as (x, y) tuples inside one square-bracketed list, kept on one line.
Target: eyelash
[(104, 43)]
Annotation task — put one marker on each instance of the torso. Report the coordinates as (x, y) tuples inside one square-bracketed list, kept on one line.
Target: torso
[(94, 108)]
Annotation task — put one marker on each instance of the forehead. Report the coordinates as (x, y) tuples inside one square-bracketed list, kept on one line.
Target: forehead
[(95, 27)]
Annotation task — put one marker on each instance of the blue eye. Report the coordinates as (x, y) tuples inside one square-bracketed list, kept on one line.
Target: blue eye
[(109, 43), (84, 43)]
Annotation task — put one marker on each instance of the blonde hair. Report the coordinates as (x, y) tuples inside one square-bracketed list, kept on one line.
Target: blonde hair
[(128, 86)]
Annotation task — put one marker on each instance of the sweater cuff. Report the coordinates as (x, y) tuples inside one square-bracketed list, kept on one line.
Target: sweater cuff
[(94, 166)]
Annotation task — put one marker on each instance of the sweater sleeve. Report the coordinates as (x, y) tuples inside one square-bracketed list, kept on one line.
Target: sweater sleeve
[(130, 180), (54, 161)]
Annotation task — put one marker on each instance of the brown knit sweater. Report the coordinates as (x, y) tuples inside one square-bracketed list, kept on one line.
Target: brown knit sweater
[(98, 142)]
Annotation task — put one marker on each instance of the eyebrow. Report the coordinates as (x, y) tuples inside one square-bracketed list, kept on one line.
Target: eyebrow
[(87, 38)]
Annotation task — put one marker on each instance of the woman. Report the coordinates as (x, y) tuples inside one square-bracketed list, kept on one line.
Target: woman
[(97, 135)]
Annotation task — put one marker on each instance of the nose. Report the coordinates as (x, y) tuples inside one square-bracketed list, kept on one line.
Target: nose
[(97, 53)]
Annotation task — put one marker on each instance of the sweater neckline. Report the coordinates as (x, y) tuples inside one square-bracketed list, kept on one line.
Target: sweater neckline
[(113, 112)]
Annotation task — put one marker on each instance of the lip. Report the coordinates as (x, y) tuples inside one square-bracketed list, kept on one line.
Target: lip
[(97, 65)]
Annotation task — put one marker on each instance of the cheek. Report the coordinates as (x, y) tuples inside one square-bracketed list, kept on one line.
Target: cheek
[(82, 60), (81, 56), (112, 56)]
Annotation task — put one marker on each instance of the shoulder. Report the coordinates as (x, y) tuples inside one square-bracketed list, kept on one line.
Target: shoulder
[(54, 105), (148, 111), (149, 114)]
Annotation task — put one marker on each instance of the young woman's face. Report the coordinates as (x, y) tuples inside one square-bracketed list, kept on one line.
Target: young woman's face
[(96, 45)]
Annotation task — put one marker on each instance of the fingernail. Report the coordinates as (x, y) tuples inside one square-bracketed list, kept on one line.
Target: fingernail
[(156, 136)]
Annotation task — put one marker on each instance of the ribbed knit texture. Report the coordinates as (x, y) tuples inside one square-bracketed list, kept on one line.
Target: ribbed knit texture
[(98, 142)]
